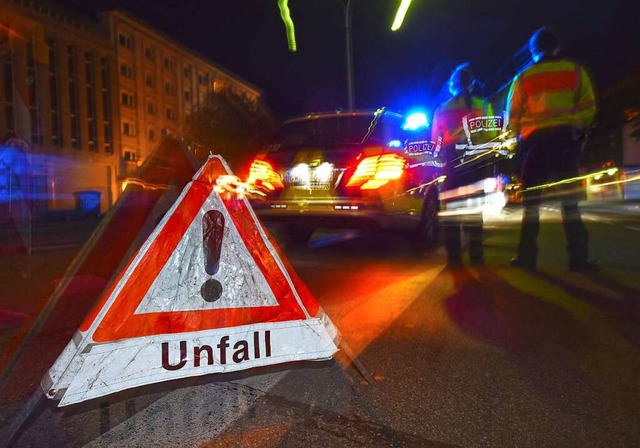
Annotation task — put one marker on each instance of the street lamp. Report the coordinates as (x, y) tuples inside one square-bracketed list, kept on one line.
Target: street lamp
[(397, 23), (349, 52), (346, 7)]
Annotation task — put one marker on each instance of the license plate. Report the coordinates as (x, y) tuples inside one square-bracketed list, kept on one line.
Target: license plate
[(305, 177)]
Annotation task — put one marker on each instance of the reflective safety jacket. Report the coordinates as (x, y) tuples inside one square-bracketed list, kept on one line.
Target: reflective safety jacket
[(462, 128), (551, 93), (452, 121)]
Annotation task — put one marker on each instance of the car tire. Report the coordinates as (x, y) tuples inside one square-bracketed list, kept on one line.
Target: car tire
[(426, 235)]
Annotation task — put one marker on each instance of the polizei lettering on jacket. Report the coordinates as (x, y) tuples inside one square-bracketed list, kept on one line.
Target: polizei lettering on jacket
[(221, 353), (490, 123)]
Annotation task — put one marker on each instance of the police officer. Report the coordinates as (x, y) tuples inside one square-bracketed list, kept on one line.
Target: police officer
[(448, 122), (550, 104)]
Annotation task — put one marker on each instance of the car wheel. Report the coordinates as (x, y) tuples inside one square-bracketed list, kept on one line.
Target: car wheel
[(298, 236), (425, 236)]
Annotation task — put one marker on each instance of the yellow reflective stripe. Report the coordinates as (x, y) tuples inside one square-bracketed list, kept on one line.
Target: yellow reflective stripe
[(570, 107), (549, 66)]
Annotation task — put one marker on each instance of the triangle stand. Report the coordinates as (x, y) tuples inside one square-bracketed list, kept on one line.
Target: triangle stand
[(357, 364)]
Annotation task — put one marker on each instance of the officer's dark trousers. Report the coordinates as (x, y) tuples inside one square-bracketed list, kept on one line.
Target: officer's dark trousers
[(454, 227), (551, 155)]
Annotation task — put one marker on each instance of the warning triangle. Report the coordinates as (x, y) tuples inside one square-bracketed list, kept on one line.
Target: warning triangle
[(208, 292)]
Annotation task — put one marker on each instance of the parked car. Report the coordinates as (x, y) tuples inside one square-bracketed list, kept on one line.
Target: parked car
[(363, 169)]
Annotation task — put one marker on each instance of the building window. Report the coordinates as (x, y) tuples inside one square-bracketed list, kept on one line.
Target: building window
[(218, 85), (128, 128), (202, 79), (171, 114), (32, 94), (149, 54), (91, 102), (187, 96), (151, 107), (170, 88), (7, 74), (149, 80), (186, 71), (125, 41), (106, 106), (151, 135), (126, 70), (127, 99), (74, 115), (169, 64), (130, 156), (54, 91)]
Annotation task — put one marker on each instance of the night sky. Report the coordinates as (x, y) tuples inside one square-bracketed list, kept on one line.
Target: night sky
[(401, 70)]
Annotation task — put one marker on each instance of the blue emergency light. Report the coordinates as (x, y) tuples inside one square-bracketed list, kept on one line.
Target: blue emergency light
[(416, 121)]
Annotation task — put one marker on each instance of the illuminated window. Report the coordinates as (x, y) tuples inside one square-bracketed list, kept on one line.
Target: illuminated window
[(218, 85)]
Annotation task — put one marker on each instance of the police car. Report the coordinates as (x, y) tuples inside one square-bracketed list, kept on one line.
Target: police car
[(362, 169)]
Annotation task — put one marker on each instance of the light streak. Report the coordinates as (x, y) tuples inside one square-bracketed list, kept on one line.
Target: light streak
[(144, 185), (439, 179), (402, 11), (616, 182), (285, 14), (570, 180)]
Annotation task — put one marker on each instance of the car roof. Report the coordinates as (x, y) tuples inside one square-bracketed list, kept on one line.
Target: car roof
[(332, 114)]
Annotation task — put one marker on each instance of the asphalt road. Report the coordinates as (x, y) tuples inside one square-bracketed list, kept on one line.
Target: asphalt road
[(487, 356)]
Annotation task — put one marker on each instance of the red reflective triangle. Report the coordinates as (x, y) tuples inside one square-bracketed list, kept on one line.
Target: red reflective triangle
[(120, 320)]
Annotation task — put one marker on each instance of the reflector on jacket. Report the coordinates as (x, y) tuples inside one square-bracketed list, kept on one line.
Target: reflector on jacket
[(551, 93)]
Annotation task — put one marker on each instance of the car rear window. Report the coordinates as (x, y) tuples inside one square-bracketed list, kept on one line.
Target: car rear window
[(343, 130)]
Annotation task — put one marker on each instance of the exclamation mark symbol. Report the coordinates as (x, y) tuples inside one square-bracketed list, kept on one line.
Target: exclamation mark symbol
[(212, 231)]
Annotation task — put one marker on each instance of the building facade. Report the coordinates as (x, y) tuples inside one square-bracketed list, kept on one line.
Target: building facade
[(58, 97), (90, 99), (160, 83)]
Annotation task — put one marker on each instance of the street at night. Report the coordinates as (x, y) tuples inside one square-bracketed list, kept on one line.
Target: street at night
[(488, 356), (319, 223)]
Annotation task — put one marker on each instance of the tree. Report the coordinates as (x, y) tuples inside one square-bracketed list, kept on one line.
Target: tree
[(230, 124)]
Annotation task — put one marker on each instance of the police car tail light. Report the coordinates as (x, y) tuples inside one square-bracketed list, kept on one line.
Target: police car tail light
[(261, 173), (375, 171)]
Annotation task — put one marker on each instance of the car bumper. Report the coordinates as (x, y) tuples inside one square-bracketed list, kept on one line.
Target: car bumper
[(335, 213)]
